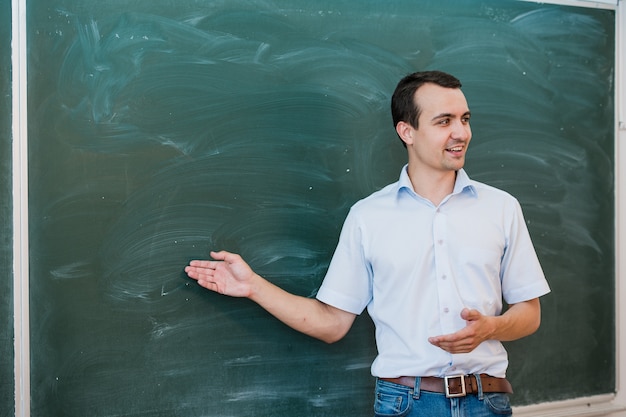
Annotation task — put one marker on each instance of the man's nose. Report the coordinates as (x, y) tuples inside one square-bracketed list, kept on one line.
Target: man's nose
[(461, 130)]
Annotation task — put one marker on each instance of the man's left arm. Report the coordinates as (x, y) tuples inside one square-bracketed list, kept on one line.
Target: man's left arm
[(520, 320)]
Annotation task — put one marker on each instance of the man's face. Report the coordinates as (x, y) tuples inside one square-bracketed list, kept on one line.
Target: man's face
[(440, 143)]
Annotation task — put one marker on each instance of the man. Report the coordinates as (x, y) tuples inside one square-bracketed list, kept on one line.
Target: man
[(431, 256)]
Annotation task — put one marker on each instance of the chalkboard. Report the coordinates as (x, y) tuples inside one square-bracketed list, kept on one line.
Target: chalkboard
[(161, 130), (7, 378)]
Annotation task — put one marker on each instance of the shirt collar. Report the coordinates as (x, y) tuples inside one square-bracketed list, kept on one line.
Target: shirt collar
[(462, 184)]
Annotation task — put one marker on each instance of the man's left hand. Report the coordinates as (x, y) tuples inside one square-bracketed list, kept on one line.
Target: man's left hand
[(478, 329)]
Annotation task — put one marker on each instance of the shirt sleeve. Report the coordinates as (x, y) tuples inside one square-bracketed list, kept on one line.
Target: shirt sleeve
[(348, 282), (521, 273)]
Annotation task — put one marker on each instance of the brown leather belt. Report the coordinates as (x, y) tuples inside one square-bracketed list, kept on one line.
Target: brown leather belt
[(455, 386)]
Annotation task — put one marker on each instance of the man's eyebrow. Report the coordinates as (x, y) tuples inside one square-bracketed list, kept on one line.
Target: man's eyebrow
[(442, 116), (445, 115)]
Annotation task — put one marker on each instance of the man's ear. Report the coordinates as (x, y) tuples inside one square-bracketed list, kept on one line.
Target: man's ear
[(405, 132)]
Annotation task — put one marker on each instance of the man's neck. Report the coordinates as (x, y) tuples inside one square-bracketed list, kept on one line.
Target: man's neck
[(433, 186)]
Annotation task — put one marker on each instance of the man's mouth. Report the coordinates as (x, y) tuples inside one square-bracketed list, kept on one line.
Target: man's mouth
[(455, 149)]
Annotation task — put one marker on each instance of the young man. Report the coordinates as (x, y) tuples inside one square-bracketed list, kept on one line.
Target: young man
[(431, 257)]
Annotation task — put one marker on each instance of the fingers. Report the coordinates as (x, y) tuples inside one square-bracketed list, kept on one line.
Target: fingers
[(453, 343), (219, 256), (470, 315), (200, 267), (197, 266), (209, 285), (445, 340), (204, 273), (227, 257)]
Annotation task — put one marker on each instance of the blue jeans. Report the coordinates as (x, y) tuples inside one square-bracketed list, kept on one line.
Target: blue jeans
[(400, 401)]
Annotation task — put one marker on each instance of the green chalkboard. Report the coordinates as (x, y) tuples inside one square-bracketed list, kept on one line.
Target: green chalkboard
[(160, 130), (7, 378)]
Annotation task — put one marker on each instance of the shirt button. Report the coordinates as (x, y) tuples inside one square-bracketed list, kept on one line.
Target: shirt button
[(440, 241), (444, 277), (446, 310)]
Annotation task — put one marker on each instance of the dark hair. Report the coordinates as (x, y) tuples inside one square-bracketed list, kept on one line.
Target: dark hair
[(403, 105)]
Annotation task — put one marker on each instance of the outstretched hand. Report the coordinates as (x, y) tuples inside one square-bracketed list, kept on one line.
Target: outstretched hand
[(478, 329), (226, 274)]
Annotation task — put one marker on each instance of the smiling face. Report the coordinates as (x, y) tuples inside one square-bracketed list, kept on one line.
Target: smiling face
[(439, 144)]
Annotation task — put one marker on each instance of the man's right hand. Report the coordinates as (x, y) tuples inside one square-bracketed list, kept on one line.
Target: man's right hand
[(226, 274)]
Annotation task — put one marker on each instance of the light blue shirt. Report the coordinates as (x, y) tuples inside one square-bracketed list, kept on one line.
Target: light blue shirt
[(415, 266)]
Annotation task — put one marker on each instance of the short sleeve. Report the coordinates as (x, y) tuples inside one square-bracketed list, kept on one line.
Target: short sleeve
[(348, 282), (522, 276)]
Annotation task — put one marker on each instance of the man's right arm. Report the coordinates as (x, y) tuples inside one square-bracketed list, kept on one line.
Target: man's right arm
[(229, 274)]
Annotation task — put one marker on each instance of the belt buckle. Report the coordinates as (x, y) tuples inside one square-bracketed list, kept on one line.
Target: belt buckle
[(455, 392)]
